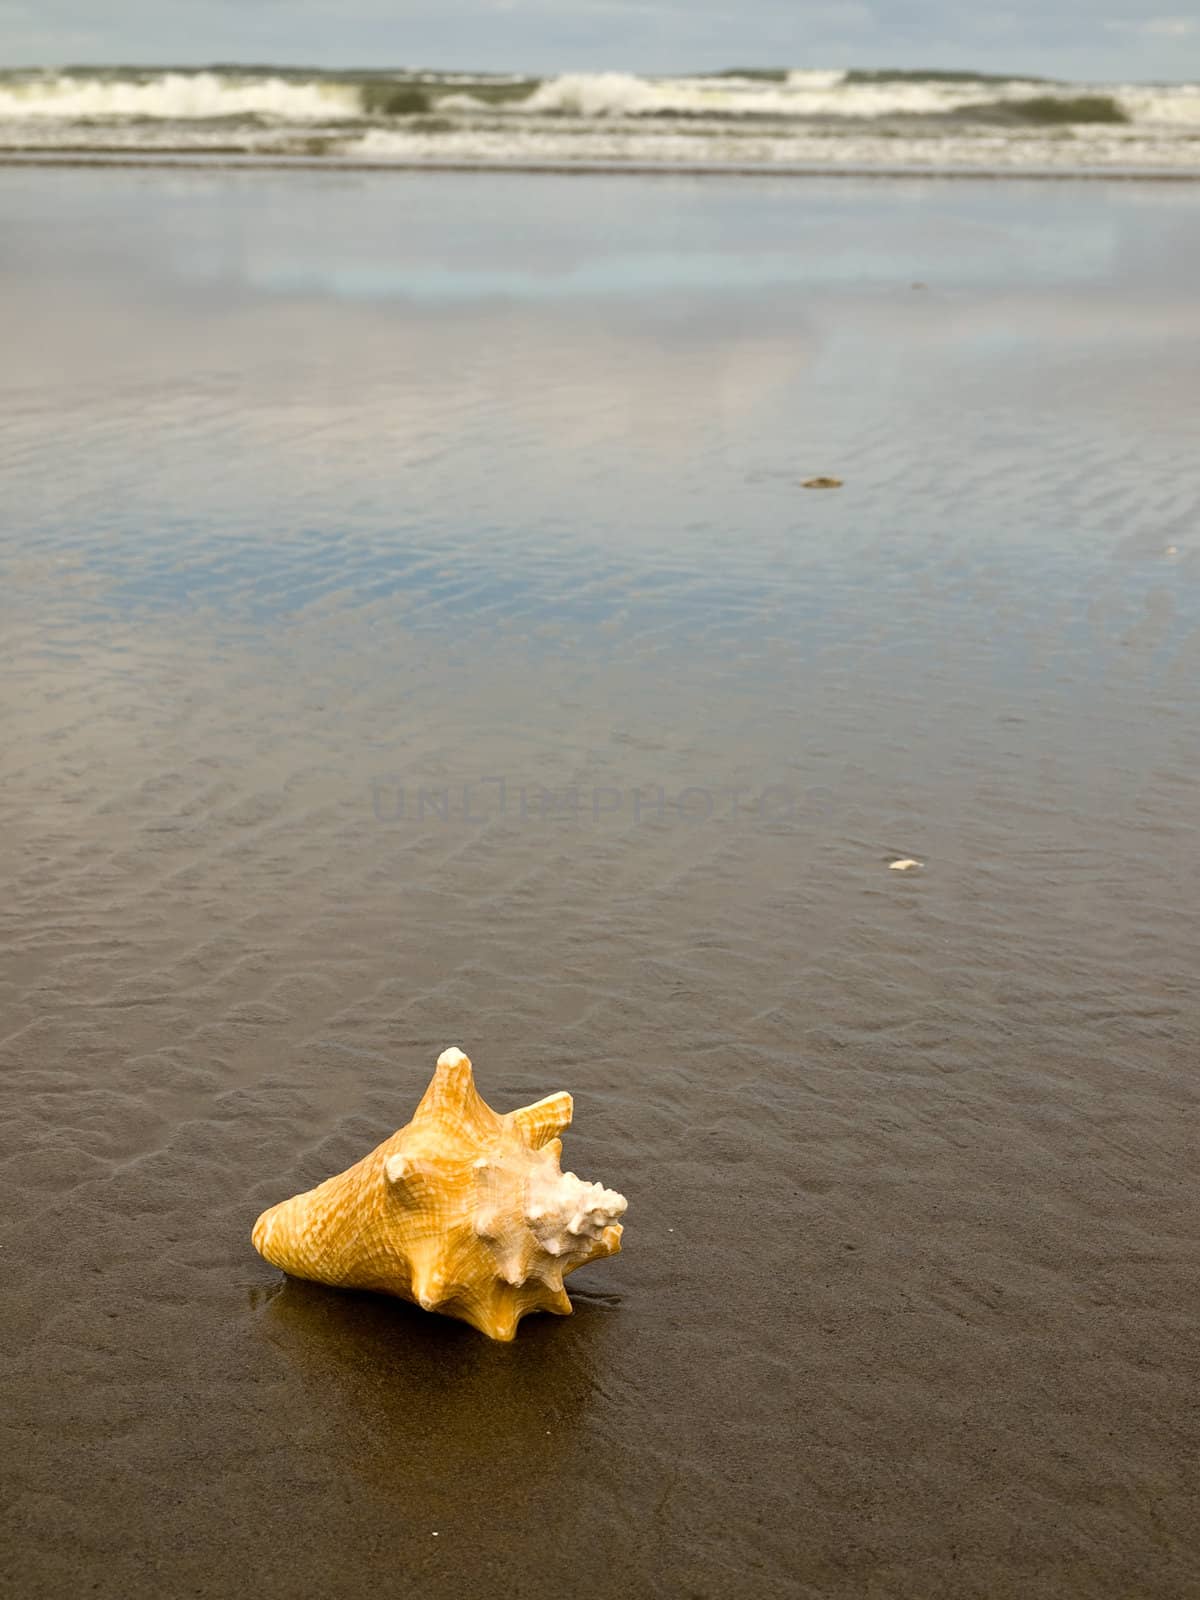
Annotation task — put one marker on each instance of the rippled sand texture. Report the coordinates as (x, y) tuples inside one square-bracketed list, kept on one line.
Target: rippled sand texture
[(317, 490)]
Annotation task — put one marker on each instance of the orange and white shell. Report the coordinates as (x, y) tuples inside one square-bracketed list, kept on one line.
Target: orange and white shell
[(463, 1211)]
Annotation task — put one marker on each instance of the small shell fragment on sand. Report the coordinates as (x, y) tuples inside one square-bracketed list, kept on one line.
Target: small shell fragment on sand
[(821, 483), (905, 864)]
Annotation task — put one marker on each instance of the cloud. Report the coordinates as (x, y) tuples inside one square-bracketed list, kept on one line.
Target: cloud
[(1157, 27), (1172, 27)]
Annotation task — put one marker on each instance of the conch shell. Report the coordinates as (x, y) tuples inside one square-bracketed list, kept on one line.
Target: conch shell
[(463, 1211)]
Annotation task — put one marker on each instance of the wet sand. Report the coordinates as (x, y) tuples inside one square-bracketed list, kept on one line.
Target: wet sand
[(413, 632)]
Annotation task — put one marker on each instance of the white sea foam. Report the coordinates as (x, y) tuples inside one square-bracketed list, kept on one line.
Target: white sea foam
[(803, 119), (811, 78), (806, 95), (461, 102), (1115, 148), (1177, 106), (595, 94), (189, 96), (177, 96)]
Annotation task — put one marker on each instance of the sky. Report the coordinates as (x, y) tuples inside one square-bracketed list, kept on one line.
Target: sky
[(1115, 40)]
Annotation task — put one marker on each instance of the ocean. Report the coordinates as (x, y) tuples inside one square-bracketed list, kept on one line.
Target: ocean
[(778, 121)]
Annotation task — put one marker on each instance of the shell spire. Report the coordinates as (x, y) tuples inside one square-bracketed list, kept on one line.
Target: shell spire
[(463, 1211)]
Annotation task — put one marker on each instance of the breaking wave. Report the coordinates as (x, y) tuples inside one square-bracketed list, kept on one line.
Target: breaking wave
[(854, 95), (1050, 110), (744, 117), (179, 97)]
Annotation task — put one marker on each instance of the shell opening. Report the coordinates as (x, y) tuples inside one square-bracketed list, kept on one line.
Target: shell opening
[(568, 1216)]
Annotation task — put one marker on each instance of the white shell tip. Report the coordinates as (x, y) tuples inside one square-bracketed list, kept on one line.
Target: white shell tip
[(396, 1169), (452, 1057)]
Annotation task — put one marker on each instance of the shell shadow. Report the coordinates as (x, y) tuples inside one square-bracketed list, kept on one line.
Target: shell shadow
[(390, 1385)]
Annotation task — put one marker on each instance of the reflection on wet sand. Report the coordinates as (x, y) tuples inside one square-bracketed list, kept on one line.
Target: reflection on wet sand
[(378, 669), (379, 1370)]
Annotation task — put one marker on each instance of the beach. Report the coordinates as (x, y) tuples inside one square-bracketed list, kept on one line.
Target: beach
[(414, 632)]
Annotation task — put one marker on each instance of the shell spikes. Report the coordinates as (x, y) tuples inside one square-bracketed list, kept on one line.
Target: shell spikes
[(463, 1211)]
